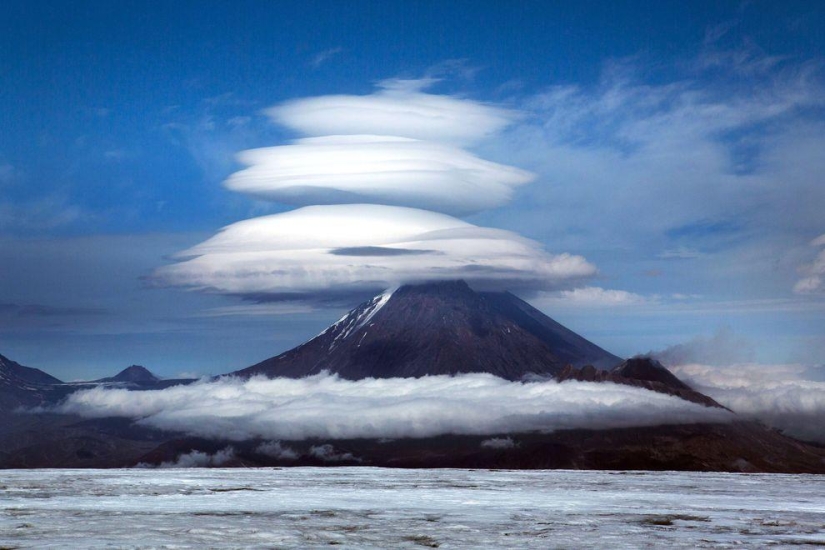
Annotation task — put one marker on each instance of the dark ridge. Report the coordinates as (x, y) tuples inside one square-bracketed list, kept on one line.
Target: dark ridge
[(26, 374), (23, 386), (647, 368), (135, 374), (664, 382)]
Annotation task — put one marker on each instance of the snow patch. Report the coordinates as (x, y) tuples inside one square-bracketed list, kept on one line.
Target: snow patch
[(355, 320), (375, 306)]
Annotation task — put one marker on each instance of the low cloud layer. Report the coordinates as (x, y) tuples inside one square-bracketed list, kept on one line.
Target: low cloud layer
[(197, 459), (319, 250), (326, 407), (376, 169), (788, 397)]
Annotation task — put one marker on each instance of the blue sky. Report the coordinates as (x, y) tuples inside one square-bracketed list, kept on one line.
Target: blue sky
[(675, 145)]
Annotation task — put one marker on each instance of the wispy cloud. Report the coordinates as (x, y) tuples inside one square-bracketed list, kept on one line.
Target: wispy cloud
[(681, 253), (721, 167), (257, 310), (783, 396), (324, 56), (592, 296), (197, 459), (41, 310), (814, 272), (724, 347), (41, 215)]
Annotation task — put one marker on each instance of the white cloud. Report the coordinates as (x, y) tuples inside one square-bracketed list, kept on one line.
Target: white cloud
[(277, 450), (327, 453), (394, 147), (320, 250), (724, 171), (591, 296), (256, 310), (779, 395), (499, 443), (399, 109), (724, 347), (197, 459), (43, 214), (325, 407), (376, 169), (680, 253), (814, 271)]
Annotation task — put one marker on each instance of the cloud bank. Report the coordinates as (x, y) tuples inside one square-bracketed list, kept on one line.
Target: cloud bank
[(781, 396), (326, 407)]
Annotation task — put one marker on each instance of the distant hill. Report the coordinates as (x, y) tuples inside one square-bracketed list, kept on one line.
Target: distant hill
[(133, 375), (22, 386)]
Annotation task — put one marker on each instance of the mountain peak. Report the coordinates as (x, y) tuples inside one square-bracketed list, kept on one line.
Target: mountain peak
[(436, 328), (135, 374), (11, 370)]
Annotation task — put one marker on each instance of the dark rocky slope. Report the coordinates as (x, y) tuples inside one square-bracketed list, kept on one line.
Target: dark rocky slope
[(641, 372), (23, 386), (439, 328), (730, 447)]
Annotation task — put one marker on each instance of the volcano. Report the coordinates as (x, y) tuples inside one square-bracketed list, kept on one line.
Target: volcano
[(439, 328), (413, 331)]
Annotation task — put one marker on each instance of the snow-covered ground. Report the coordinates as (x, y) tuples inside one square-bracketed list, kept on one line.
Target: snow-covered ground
[(379, 508)]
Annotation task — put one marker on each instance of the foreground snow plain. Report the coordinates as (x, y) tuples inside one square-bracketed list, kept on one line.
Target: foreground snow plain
[(383, 508)]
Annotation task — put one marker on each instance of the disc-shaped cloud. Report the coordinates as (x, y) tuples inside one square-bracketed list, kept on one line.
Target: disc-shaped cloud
[(398, 111), (376, 169), (319, 251)]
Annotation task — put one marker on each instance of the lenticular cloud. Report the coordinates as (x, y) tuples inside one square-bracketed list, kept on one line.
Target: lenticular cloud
[(371, 177), (398, 109), (376, 169), (362, 248)]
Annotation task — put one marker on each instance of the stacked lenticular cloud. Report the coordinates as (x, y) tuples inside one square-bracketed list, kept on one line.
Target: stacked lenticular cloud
[(377, 178)]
